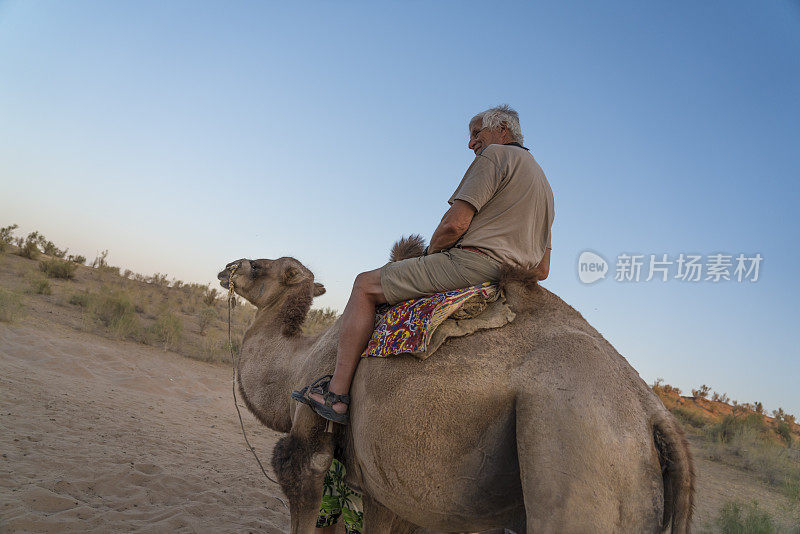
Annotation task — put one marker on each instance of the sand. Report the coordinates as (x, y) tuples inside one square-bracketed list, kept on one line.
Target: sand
[(98, 435)]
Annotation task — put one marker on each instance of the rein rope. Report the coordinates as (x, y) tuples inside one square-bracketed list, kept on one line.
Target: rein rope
[(231, 297)]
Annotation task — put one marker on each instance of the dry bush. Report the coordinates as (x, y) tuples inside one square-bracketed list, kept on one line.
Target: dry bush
[(56, 268), (701, 393), (6, 236), (720, 397), (318, 321), (734, 518), (77, 258), (746, 438), (661, 389), (10, 305), (41, 286), (29, 248), (82, 299), (206, 316), (116, 312), (158, 279), (168, 329), (213, 349), (100, 259), (690, 415), (109, 269), (210, 296)]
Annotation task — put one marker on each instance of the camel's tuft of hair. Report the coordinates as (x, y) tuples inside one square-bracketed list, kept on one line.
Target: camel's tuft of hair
[(510, 274), (294, 310), (289, 457), (408, 247), (291, 461)]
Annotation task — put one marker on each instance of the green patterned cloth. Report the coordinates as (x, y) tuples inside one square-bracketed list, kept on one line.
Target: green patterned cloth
[(339, 500)]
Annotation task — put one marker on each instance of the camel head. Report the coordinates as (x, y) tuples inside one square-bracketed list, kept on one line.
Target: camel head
[(284, 282)]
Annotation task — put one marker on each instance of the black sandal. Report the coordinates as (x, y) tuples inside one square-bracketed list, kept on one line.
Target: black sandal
[(320, 387)]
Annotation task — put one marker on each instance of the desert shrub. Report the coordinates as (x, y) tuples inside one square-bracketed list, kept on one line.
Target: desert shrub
[(82, 299), (100, 259), (109, 269), (206, 316), (77, 258), (167, 329), (734, 518), (41, 286), (213, 348), (10, 305), (780, 415), (784, 431), (733, 424), (158, 279), (319, 320), (720, 397), (701, 393), (29, 247), (690, 415), (747, 441), (115, 311), (664, 389), (49, 248), (56, 268), (7, 236), (210, 296)]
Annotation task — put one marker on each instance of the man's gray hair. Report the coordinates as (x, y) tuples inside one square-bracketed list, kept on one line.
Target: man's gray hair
[(500, 116)]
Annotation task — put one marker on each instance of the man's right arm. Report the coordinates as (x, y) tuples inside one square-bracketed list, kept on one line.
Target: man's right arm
[(454, 224)]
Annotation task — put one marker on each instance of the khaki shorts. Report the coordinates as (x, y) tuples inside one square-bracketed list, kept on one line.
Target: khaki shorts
[(450, 269)]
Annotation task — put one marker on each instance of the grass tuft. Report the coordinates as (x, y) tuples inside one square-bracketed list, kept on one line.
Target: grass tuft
[(82, 299), (10, 305), (57, 268), (168, 329), (41, 287), (735, 518)]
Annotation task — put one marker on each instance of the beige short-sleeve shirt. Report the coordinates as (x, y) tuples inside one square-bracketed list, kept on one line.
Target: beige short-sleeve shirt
[(514, 203)]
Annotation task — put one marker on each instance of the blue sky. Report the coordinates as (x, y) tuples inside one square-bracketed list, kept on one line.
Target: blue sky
[(183, 135)]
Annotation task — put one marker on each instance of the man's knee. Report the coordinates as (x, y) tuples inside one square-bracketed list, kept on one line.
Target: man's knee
[(368, 284)]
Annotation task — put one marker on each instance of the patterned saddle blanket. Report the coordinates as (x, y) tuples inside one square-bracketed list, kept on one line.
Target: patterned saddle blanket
[(420, 326)]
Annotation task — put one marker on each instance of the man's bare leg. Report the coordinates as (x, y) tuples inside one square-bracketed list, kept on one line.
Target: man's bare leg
[(358, 322)]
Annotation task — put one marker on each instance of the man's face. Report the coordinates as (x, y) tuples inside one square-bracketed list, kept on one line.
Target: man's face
[(480, 137)]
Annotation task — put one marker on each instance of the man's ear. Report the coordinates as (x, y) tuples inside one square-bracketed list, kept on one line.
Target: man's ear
[(319, 289)]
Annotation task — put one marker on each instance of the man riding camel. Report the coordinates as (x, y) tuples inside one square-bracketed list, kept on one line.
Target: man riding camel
[(501, 212)]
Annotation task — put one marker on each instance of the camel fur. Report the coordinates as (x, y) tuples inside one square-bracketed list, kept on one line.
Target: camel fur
[(539, 426)]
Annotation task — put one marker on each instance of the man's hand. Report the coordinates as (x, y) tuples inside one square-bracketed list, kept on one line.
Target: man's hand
[(454, 224)]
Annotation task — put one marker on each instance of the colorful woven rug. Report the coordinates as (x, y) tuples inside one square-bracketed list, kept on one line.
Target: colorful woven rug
[(408, 326)]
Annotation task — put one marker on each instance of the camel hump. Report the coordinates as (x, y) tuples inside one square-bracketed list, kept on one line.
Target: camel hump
[(407, 247)]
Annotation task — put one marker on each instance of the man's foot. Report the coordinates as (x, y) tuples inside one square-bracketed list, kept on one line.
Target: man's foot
[(338, 407), (329, 405)]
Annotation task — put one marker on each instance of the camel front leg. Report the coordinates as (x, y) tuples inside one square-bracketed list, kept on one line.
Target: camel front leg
[(300, 461)]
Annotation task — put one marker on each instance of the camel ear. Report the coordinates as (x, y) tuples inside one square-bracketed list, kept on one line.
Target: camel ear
[(319, 289), (292, 276)]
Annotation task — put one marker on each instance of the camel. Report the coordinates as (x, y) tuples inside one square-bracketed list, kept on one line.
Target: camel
[(538, 426)]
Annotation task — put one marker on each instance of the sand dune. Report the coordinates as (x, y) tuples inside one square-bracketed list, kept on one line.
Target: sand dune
[(100, 435)]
